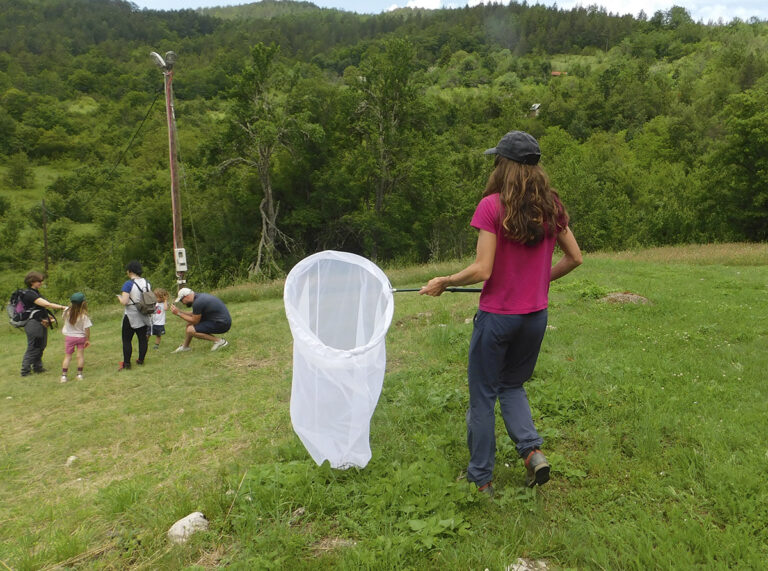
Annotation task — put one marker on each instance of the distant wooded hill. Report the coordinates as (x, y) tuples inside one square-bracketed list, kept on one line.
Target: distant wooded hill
[(303, 128), (265, 10)]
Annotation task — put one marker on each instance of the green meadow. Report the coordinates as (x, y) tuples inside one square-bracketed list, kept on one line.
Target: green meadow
[(41, 177), (653, 415)]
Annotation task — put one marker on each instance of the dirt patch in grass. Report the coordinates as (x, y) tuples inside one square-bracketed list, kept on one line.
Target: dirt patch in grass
[(624, 297), (411, 318), (211, 559), (244, 362), (328, 544)]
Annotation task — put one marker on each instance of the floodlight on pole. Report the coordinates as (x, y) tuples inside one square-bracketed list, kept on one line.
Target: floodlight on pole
[(157, 58), (179, 254)]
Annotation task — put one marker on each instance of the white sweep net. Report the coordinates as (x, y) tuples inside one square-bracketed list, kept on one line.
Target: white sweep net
[(339, 306)]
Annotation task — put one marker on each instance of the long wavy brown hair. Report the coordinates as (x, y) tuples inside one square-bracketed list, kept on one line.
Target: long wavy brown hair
[(76, 310), (532, 208)]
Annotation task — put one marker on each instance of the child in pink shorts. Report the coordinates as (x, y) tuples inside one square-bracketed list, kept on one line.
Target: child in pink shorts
[(77, 334)]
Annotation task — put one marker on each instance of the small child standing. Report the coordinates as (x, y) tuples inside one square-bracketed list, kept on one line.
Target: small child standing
[(157, 327), (77, 334)]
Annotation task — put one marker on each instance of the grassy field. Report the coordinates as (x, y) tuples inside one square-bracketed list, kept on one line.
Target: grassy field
[(42, 177), (653, 417)]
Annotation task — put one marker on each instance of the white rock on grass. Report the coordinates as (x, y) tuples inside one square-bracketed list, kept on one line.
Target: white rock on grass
[(527, 565), (71, 460), (182, 529)]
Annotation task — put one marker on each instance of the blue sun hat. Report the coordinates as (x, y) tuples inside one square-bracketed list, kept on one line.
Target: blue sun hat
[(78, 297)]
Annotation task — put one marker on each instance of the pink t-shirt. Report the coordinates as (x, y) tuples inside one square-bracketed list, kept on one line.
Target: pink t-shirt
[(519, 281)]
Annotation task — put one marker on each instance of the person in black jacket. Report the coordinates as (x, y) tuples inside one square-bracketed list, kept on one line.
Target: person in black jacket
[(35, 328)]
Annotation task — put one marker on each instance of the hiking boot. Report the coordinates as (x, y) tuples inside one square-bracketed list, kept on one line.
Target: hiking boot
[(63, 379), (138, 362), (181, 349), (486, 489), (221, 343), (123, 366), (537, 468)]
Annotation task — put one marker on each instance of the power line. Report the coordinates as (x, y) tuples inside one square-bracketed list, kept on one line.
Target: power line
[(109, 176)]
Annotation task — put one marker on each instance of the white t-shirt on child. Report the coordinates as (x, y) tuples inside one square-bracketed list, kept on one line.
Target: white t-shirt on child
[(158, 317), (78, 329)]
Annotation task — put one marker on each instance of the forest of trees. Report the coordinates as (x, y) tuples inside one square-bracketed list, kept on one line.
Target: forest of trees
[(302, 129)]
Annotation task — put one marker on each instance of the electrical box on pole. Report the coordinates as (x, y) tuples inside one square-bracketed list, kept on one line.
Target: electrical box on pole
[(181, 260)]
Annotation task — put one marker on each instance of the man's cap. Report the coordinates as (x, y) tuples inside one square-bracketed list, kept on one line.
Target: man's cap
[(78, 297), (518, 146), (182, 293)]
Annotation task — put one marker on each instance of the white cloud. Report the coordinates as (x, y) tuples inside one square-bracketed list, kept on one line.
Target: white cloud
[(428, 4), (437, 4), (622, 7)]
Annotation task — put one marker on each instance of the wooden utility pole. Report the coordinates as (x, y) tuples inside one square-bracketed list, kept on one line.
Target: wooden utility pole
[(179, 253)]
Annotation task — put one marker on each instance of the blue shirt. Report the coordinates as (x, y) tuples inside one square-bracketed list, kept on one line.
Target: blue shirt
[(210, 308)]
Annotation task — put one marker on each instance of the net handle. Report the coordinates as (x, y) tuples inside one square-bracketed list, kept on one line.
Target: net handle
[(451, 289)]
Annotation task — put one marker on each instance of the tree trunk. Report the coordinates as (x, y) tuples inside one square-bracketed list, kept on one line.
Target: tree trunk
[(265, 257)]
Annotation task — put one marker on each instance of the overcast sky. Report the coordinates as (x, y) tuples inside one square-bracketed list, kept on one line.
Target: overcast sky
[(700, 10)]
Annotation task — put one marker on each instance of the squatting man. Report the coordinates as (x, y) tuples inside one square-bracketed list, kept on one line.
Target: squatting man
[(209, 316)]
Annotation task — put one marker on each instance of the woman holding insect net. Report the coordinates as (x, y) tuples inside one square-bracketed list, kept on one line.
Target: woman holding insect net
[(520, 218)]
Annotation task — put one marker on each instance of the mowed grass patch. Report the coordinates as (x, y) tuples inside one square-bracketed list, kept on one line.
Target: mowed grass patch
[(652, 414), (42, 177), (730, 254)]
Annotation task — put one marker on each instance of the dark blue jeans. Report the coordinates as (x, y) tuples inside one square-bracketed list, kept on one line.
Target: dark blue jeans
[(502, 356)]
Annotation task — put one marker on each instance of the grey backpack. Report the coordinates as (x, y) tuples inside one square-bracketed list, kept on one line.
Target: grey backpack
[(147, 300)]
